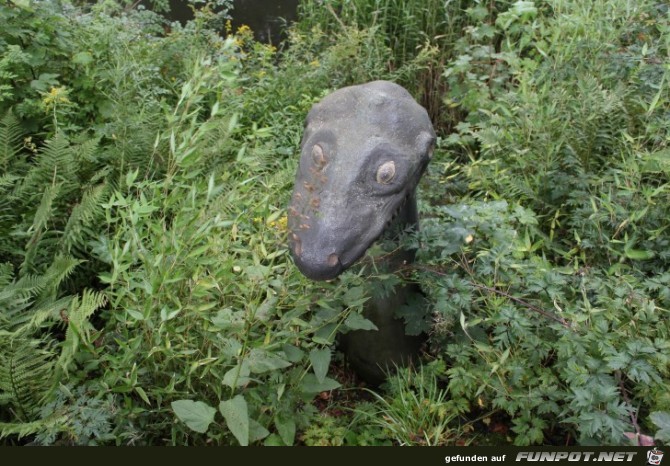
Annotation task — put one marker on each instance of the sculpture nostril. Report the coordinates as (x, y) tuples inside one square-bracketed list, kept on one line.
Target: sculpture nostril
[(333, 260)]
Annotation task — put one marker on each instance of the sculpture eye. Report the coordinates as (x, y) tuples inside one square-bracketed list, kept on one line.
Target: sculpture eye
[(386, 172), (318, 156)]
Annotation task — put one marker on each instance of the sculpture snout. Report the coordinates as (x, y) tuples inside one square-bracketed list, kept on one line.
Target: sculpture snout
[(317, 265)]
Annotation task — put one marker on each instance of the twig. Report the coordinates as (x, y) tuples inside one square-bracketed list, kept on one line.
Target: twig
[(330, 9), (626, 398), (530, 306), (132, 6)]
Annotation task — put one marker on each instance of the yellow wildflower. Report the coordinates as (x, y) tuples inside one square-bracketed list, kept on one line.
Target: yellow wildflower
[(55, 96), (243, 30), (243, 36), (281, 224)]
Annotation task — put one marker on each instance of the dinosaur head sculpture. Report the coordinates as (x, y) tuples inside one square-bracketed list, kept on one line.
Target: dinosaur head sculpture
[(363, 152)]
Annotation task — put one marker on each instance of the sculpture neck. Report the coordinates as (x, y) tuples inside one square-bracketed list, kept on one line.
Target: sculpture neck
[(406, 220)]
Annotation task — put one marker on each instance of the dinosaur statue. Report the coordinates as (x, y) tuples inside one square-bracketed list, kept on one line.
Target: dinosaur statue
[(363, 152)]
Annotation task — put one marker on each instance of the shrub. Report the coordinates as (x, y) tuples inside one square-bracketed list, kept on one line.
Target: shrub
[(548, 276)]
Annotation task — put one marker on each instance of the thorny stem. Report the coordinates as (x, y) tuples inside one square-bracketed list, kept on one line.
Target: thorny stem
[(626, 398), (530, 306), (133, 5)]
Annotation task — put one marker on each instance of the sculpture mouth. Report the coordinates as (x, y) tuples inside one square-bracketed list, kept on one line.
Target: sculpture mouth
[(327, 269), (327, 261), (395, 214)]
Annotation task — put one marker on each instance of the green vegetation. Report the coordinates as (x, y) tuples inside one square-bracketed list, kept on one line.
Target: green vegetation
[(146, 295)]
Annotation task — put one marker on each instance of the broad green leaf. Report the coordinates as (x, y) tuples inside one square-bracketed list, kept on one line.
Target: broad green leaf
[(286, 428), (266, 309), (25, 4), (131, 176), (238, 376), (320, 359), (257, 431), (274, 440), (228, 319), (662, 421), (137, 315), (195, 414), (355, 321), (354, 296), (257, 272), (310, 384), (326, 314), (293, 354), (236, 414), (44, 82), (638, 254), (262, 361), (521, 8), (657, 97), (273, 216), (326, 334), (82, 58)]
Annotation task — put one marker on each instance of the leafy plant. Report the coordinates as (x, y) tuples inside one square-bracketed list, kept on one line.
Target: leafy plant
[(662, 422), (146, 295), (33, 362), (83, 417), (542, 251)]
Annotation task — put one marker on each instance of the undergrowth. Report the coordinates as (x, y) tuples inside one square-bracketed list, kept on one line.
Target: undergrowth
[(146, 294)]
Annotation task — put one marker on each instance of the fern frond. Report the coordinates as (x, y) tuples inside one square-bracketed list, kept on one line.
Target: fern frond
[(55, 163), (26, 374), (10, 139), (28, 302), (27, 286), (38, 315), (53, 422), (42, 216), (83, 215), (5, 274), (61, 268), (14, 313), (44, 210), (100, 176), (79, 328), (7, 181), (86, 153)]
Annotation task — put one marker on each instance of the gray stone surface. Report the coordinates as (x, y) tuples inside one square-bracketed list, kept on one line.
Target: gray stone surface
[(363, 152)]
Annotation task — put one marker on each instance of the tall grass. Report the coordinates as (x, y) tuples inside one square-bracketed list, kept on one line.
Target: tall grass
[(420, 35), (407, 25)]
